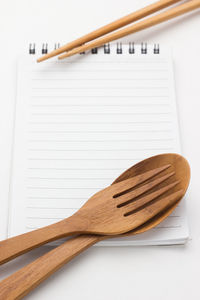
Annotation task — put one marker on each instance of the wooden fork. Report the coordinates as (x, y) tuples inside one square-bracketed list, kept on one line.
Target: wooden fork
[(109, 212), (26, 279)]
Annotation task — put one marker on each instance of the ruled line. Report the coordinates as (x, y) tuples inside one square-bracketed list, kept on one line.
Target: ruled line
[(82, 150), (75, 169), (61, 188), (101, 87), (34, 207), (99, 105), (138, 149), (84, 159), (100, 113), (56, 198), (136, 122), (69, 178), (105, 131), (66, 141), (103, 70), (98, 79), (45, 218), (98, 96)]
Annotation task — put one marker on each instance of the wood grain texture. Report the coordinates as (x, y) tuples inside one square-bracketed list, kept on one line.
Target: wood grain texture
[(110, 211), (22, 282), (147, 23), (152, 8)]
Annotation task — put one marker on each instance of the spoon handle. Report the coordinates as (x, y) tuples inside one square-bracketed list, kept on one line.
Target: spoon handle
[(23, 243), (26, 279)]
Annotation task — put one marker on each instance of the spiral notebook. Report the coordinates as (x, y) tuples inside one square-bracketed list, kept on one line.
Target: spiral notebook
[(81, 122)]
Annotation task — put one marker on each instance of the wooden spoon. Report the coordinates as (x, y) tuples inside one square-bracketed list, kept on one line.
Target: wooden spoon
[(26, 279), (114, 210)]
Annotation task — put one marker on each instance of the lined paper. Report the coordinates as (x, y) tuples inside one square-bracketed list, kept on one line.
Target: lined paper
[(79, 124)]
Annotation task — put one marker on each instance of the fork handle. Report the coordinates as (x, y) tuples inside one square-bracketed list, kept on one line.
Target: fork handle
[(23, 243), (20, 283)]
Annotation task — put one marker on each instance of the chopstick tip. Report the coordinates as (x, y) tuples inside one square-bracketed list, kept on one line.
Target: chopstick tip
[(40, 59)]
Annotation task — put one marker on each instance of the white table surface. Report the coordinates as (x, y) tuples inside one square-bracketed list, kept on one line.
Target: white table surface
[(141, 273)]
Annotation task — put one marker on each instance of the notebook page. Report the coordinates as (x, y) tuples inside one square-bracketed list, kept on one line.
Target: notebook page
[(80, 123)]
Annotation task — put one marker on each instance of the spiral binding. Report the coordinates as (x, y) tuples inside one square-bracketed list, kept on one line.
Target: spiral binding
[(94, 51), (144, 48), (131, 48), (31, 48), (119, 48), (156, 49), (107, 49)]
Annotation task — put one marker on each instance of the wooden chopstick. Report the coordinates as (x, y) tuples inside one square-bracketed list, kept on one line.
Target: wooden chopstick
[(162, 17), (135, 16)]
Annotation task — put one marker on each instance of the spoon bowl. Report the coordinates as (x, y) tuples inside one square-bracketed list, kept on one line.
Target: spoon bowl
[(182, 170)]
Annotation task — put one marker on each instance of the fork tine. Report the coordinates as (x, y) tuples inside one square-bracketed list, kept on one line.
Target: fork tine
[(146, 200), (132, 182), (145, 214), (123, 199)]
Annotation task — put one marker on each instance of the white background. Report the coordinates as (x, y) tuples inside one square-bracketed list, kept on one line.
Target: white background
[(108, 273)]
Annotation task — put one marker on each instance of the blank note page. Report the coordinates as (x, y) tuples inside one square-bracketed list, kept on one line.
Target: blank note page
[(80, 123)]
